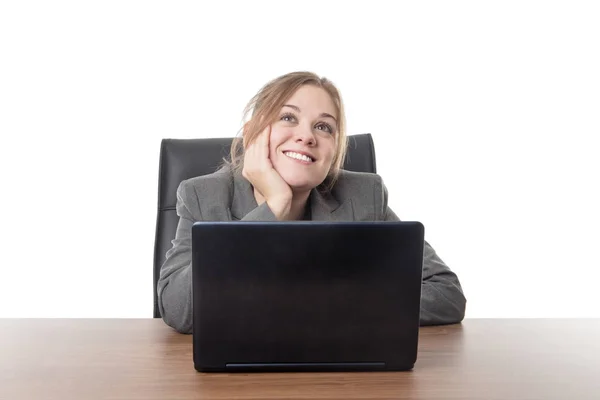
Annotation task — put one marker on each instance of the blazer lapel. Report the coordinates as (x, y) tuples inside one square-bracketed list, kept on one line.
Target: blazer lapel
[(325, 207)]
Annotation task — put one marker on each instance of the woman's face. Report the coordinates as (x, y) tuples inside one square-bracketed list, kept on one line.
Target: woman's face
[(303, 138)]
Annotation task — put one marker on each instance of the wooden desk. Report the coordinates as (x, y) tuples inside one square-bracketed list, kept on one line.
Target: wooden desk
[(145, 359)]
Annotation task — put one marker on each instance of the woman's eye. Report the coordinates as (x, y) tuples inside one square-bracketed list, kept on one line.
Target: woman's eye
[(288, 117), (325, 127)]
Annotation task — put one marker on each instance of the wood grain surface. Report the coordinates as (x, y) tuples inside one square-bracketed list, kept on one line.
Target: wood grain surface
[(145, 359)]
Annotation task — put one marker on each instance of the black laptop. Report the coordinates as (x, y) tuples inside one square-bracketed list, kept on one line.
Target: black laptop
[(306, 296)]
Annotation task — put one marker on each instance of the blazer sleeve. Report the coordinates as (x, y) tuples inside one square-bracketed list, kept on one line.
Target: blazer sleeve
[(442, 298), (175, 281)]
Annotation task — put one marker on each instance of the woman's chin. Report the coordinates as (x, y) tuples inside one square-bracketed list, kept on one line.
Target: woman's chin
[(300, 183), (300, 187)]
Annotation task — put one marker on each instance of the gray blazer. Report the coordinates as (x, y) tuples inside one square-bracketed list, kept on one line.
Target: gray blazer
[(224, 196)]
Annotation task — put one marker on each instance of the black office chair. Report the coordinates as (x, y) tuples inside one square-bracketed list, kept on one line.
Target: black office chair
[(181, 159)]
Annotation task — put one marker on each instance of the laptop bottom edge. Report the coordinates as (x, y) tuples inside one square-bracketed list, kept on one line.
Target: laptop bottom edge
[(304, 367)]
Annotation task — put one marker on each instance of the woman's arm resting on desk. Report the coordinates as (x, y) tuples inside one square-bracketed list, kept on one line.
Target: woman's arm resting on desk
[(442, 298), (175, 281)]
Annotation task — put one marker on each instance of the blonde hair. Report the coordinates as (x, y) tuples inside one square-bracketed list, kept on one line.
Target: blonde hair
[(264, 109)]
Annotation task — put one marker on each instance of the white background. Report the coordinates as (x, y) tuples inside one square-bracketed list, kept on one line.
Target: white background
[(485, 117)]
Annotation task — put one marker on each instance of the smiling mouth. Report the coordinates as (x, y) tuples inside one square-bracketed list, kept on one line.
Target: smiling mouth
[(298, 156)]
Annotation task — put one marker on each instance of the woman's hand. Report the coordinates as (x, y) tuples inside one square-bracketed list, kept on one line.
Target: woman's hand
[(259, 170)]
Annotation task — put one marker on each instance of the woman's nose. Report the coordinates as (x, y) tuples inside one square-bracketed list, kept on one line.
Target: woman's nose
[(305, 134)]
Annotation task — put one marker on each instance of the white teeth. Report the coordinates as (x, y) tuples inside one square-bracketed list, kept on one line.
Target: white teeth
[(298, 156)]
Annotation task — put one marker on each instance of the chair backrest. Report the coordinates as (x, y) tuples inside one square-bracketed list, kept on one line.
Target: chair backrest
[(181, 159)]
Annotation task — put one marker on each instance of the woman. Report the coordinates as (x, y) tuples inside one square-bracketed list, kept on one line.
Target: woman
[(288, 167)]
